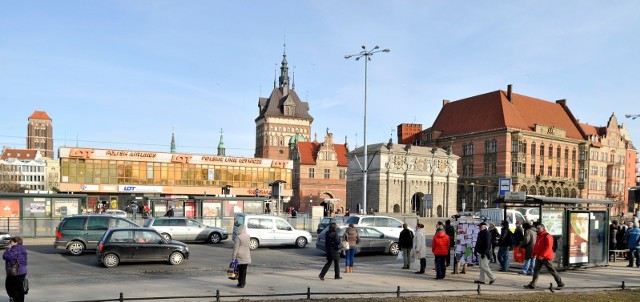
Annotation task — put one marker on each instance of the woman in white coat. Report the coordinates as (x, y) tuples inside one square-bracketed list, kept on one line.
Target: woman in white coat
[(420, 247)]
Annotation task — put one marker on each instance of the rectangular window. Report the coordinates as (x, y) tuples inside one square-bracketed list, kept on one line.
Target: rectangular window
[(514, 167), (514, 146), (327, 173), (343, 173), (312, 173), (533, 168)]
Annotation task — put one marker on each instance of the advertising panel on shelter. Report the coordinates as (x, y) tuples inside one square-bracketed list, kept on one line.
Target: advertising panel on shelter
[(578, 237)]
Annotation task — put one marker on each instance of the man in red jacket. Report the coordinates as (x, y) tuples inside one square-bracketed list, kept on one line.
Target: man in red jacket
[(543, 253), (440, 248)]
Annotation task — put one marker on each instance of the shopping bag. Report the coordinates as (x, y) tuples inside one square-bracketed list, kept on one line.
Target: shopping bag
[(518, 254), (232, 271), (400, 257)]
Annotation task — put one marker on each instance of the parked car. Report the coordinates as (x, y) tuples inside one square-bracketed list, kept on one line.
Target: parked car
[(267, 230), (325, 221), (530, 214), (372, 240), (186, 229), (77, 233), (5, 238), (387, 225), (138, 244), (119, 213)]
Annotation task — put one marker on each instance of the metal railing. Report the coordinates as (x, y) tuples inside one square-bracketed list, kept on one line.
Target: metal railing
[(337, 295)]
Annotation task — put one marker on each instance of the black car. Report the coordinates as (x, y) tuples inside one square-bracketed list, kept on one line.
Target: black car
[(325, 221), (139, 244), (371, 241)]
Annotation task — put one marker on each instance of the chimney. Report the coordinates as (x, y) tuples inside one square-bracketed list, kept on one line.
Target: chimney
[(509, 92), (444, 102)]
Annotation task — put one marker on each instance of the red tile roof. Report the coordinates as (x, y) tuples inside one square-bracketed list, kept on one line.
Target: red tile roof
[(494, 111), (590, 130), (21, 154), (309, 153), (39, 115)]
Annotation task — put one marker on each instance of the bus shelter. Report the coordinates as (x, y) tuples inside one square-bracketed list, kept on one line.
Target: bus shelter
[(580, 226)]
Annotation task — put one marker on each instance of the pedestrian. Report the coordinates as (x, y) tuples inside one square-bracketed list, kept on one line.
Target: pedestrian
[(613, 235), (16, 254), (332, 247), (406, 243), (351, 236), (440, 248), (420, 247), (483, 249), (134, 210), (518, 234), (505, 244), (543, 252), (494, 241), (242, 254), (451, 232), (169, 212), (147, 211), (633, 243), (527, 244)]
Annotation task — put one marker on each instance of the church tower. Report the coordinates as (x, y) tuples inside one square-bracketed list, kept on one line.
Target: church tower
[(40, 133), (281, 117)]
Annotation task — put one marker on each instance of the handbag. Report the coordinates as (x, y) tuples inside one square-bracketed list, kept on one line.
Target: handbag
[(13, 270), (345, 245), (232, 271), (518, 254)]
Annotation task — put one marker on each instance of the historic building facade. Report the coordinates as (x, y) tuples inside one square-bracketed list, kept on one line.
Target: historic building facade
[(538, 144), (612, 163), (27, 168), (320, 175), (40, 133), (403, 179), (281, 117)]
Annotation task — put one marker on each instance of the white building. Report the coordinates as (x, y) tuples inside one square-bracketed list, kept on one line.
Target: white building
[(25, 167), (402, 179)]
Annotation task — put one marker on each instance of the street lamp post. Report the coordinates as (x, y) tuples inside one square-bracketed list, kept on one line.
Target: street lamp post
[(367, 57), (473, 197)]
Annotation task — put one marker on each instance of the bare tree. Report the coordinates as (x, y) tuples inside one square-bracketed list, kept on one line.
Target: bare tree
[(9, 179)]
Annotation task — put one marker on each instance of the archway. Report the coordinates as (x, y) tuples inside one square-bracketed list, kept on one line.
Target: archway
[(439, 211), (396, 208), (417, 203)]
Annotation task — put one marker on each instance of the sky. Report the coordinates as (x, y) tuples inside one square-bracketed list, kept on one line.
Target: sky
[(125, 74)]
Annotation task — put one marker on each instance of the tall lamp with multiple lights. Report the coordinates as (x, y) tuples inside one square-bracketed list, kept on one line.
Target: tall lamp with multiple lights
[(366, 54)]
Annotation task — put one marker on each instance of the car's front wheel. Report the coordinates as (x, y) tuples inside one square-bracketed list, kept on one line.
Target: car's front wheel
[(75, 248), (215, 237), (176, 258), (394, 248), (254, 243), (301, 242), (110, 260)]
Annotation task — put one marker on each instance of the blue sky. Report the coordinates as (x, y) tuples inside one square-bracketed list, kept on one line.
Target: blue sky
[(123, 74)]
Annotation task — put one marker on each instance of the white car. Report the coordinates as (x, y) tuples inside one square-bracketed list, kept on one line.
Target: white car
[(387, 225), (119, 213), (267, 230)]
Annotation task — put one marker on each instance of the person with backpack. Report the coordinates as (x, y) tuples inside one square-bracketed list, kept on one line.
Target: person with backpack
[(505, 244), (544, 254), (527, 244)]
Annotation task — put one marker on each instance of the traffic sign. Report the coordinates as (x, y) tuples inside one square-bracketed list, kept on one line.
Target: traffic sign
[(505, 186)]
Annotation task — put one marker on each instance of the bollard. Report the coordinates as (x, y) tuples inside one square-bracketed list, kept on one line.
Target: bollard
[(623, 285), (398, 292), (551, 287), (478, 289), (217, 295), (308, 293), (121, 297)]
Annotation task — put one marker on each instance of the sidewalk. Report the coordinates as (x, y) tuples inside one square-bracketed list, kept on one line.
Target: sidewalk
[(366, 281)]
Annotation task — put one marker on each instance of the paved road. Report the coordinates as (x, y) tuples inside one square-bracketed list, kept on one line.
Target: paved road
[(275, 271)]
